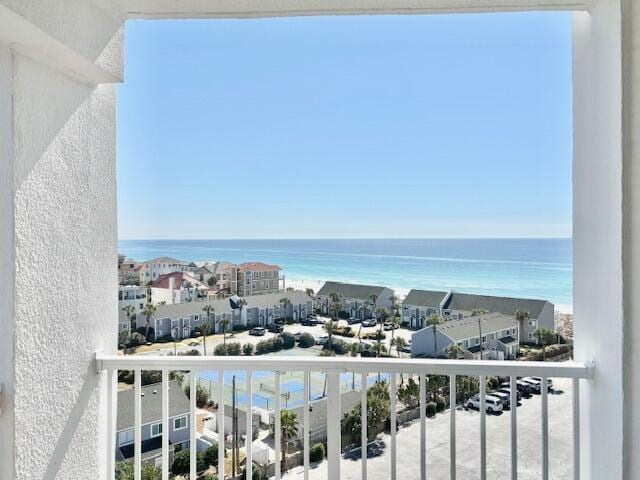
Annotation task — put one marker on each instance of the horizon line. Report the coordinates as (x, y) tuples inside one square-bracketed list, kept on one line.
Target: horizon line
[(350, 238)]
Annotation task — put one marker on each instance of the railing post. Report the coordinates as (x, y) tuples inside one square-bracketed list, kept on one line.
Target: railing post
[(249, 434), (112, 409), (192, 425), (423, 426), (333, 424), (306, 425), (483, 428), (514, 428), (452, 426), (363, 418), (137, 446), (576, 429), (165, 424), (394, 420)]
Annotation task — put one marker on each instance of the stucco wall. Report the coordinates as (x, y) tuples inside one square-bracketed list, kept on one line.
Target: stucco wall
[(58, 224)]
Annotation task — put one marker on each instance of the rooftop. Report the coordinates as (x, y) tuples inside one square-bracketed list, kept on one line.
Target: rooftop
[(151, 404), (257, 267), (350, 290), (182, 279), (468, 326), (424, 298)]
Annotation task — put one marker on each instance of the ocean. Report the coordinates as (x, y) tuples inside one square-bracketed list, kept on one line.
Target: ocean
[(525, 268)]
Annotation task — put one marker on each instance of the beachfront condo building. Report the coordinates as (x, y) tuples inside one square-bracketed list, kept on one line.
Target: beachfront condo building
[(255, 278), (491, 336), (153, 269), (418, 305), (359, 301)]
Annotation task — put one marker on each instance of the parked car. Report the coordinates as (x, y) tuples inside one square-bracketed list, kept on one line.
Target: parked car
[(370, 322), (523, 387), (276, 328), (257, 331), (507, 390), (505, 398), (322, 339), (492, 404), (536, 383), (352, 320), (389, 326)]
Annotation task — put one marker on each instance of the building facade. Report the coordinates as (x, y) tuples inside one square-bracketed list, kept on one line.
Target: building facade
[(359, 301), (255, 278), (177, 287), (179, 423)]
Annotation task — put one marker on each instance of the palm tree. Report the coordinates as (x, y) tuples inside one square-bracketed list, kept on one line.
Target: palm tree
[(310, 292), (123, 339), (545, 336), (205, 329), (364, 308), (148, 311), (224, 323), (354, 350), (381, 316), (289, 429), (241, 304), (395, 305), (330, 328), (336, 300), (395, 321), (453, 351), (521, 316), (130, 313), (434, 320), (285, 302), (399, 343)]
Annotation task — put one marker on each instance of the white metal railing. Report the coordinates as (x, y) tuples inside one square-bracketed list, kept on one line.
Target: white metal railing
[(333, 367)]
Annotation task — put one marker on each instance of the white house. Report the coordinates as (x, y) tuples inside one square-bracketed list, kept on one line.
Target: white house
[(177, 287), (134, 296)]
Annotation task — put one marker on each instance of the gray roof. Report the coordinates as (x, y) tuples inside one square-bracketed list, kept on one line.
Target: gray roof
[(151, 404), (424, 298), (468, 326), (350, 290), (507, 340), (318, 419), (506, 305), (270, 299)]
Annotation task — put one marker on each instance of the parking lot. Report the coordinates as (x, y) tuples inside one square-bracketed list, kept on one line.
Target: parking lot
[(468, 445)]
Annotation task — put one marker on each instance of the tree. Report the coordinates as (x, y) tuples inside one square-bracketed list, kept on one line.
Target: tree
[(148, 311), (395, 305), (434, 320), (354, 350), (205, 329), (241, 304), (247, 349), (290, 289), (289, 429), (381, 316), (309, 291), (453, 351), (130, 312), (124, 337), (395, 321), (330, 328), (213, 281), (326, 353), (285, 302), (521, 316), (224, 324), (210, 456), (399, 343), (378, 412), (124, 471), (336, 305), (364, 308), (545, 336), (409, 394)]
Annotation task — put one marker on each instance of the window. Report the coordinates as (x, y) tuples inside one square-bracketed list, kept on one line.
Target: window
[(156, 429), (125, 438), (532, 323), (180, 423)]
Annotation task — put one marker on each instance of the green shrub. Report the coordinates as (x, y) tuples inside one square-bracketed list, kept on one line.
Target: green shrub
[(431, 409), (210, 456), (164, 339), (277, 343), (255, 472), (195, 334), (262, 347), (339, 346), (234, 348), (306, 340), (247, 349), (210, 476), (239, 328), (440, 405), (181, 462), (316, 452), (288, 340), (136, 339), (190, 353)]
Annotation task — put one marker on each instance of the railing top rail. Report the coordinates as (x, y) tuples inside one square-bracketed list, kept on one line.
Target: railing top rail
[(399, 365)]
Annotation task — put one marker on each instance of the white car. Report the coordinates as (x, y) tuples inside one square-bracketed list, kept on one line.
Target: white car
[(389, 326), (322, 339), (536, 383), (492, 404)]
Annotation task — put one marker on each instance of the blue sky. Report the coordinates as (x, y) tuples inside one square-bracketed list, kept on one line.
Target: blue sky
[(383, 126)]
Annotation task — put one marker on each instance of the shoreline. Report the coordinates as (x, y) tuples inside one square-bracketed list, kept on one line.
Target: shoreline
[(315, 285)]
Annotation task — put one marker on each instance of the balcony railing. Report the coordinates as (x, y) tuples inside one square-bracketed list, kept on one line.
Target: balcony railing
[(333, 367)]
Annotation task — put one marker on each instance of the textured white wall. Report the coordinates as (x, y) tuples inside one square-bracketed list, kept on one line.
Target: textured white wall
[(58, 229)]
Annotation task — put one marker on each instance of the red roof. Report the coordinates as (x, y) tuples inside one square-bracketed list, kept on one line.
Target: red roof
[(180, 280), (257, 267)]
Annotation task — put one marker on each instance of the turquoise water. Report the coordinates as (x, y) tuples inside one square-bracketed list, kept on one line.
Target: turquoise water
[(526, 268)]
